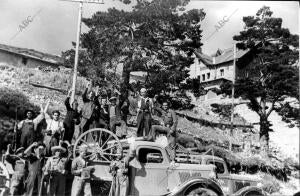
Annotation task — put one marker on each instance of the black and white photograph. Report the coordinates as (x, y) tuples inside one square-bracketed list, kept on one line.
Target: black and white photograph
[(149, 98)]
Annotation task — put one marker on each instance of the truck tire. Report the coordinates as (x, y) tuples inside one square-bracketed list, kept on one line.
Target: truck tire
[(253, 193), (202, 192)]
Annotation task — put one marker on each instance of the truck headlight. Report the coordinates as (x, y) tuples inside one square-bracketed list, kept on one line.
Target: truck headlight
[(259, 185), (212, 175)]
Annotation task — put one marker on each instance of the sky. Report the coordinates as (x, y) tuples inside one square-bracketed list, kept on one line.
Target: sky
[(52, 24)]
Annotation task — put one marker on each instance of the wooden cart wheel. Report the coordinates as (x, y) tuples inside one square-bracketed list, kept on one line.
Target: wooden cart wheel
[(98, 149)]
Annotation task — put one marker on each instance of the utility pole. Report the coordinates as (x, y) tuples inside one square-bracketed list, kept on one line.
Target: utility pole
[(78, 40), (232, 95)]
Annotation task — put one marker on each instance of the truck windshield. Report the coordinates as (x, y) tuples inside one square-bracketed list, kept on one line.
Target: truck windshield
[(219, 166), (150, 155)]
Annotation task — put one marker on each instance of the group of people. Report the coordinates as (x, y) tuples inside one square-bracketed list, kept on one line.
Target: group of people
[(35, 174)]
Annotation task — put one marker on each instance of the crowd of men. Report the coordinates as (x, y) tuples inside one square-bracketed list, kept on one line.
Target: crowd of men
[(43, 159)]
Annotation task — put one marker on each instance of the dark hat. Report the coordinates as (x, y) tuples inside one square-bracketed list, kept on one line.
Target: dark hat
[(56, 111), (29, 110)]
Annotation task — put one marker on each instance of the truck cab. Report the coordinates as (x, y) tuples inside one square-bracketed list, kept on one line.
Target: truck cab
[(233, 184)]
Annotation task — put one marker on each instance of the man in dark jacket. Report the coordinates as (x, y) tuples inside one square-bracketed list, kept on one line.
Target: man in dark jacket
[(104, 115), (34, 154), (72, 118), (114, 114), (90, 110)]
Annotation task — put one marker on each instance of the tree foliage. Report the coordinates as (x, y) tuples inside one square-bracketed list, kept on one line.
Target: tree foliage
[(273, 72), (157, 37)]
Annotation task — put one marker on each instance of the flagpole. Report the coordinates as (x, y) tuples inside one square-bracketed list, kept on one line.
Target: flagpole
[(78, 40), (76, 52), (232, 96)]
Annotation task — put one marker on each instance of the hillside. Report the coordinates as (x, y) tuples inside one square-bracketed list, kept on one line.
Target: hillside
[(201, 123)]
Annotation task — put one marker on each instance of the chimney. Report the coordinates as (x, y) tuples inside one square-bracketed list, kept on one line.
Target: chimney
[(214, 60)]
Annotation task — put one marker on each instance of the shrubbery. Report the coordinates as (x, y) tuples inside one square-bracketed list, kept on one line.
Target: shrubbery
[(11, 99)]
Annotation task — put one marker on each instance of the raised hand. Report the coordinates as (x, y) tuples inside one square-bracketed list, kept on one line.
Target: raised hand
[(69, 93)]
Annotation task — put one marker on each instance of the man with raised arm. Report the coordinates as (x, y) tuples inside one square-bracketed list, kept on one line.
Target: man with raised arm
[(34, 154), (90, 110), (28, 127), (72, 118)]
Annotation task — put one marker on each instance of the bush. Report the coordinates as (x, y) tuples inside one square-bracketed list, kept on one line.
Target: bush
[(10, 100)]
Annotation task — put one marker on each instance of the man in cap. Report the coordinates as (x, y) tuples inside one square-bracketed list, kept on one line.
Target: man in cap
[(18, 163), (72, 118), (28, 127), (34, 154), (144, 111), (55, 169), (82, 174)]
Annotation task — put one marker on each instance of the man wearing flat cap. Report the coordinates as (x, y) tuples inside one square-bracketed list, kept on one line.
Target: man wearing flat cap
[(55, 169)]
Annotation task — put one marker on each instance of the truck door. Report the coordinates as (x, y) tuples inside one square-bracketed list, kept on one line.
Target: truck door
[(148, 172), (223, 175)]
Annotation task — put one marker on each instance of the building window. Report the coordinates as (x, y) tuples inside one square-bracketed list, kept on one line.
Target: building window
[(222, 72), (203, 77), (24, 60), (208, 76), (198, 77)]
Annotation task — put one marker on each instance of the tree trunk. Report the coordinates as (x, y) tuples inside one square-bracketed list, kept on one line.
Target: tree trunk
[(264, 135)]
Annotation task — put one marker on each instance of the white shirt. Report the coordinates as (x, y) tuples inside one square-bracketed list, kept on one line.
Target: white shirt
[(54, 126)]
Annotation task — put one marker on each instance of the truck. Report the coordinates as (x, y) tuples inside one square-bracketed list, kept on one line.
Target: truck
[(153, 172)]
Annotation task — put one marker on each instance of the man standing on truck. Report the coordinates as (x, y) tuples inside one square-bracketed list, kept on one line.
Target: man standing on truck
[(72, 118), (167, 126), (144, 111), (90, 110), (82, 174)]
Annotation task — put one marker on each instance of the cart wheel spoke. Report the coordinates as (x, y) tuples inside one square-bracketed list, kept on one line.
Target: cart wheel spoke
[(110, 154), (100, 149), (100, 138), (106, 141), (115, 145), (92, 136)]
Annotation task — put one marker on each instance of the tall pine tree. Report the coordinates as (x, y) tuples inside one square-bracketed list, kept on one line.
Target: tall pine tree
[(273, 73)]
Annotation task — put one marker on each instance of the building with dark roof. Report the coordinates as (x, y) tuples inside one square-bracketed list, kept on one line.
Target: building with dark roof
[(219, 67), (27, 57), (213, 70)]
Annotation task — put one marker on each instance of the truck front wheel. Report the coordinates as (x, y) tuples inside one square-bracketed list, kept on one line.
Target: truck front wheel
[(201, 192)]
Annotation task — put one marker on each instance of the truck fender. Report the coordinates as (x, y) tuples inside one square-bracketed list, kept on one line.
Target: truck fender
[(250, 189), (205, 182)]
